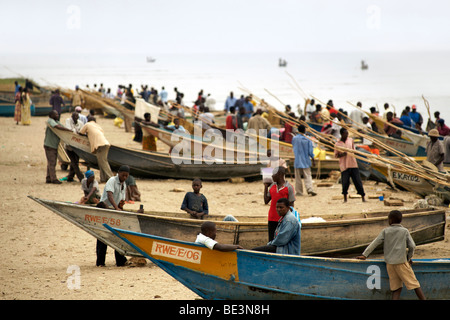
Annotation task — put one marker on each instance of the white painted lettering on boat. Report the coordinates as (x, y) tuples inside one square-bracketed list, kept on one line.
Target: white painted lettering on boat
[(374, 280), (176, 252), (405, 177)]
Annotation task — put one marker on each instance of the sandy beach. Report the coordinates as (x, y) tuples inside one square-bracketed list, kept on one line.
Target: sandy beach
[(39, 248)]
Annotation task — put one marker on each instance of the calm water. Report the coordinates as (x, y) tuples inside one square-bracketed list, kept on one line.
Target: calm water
[(398, 78)]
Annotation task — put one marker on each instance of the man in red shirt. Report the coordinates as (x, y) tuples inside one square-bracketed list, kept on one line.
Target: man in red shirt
[(393, 131), (231, 120), (280, 188)]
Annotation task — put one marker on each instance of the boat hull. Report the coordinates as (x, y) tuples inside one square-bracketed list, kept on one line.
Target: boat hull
[(413, 183), (244, 274), (149, 164), (406, 147), (324, 238)]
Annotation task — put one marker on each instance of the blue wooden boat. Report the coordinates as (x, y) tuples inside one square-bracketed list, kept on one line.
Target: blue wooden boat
[(316, 126), (7, 110), (409, 147), (244, 274)]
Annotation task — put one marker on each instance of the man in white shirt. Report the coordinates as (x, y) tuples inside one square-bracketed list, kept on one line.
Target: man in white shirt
[(357, 115), (73, 123), (208, 235), (113, 195)]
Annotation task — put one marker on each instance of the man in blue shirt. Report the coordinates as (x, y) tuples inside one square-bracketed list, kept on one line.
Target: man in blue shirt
[(304, 153), (287, 238), (415, 116), (248, 107), (230, 102), (163, 94)]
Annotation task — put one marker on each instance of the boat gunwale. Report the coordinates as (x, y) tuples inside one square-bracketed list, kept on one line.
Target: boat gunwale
[(314, 225)]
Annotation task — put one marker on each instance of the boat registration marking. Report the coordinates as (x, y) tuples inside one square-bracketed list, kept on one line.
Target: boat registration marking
[(79, 140), (176, 252)]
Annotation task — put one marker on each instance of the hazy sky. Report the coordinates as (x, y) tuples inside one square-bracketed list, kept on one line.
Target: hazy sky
[(171, 26)]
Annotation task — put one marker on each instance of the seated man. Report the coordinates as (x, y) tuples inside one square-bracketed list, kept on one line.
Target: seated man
[(208, 235), (287, 233)]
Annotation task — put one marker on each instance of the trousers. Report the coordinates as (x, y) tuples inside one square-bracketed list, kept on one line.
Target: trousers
[(101, 249), (306, 173), (74, 169), (103, 164), (52, 156), (356, 178)]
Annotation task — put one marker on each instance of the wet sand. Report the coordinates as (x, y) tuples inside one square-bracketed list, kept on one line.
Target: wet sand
[(39, 248)]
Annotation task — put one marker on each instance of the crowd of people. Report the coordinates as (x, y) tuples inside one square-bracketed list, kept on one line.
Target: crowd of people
[(284, 223)]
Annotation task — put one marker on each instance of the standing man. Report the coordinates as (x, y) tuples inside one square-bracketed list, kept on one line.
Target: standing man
[(57, 102), (280, 188), (415, 116), (114, 196), (287, 239), (230, 102), (304, 158), (248, 105), (99, 147), (357, 114), (74, 124), (77, 98), (258, 123), (435, 150), (348, 165), (163, 95), (51, 143)]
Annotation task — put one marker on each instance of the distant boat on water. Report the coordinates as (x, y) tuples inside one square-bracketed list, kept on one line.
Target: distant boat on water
[(364, 65), (150, 59), (282, 63)]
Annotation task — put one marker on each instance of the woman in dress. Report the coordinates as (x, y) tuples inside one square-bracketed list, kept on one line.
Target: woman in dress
[(18, 108), (25, 108)]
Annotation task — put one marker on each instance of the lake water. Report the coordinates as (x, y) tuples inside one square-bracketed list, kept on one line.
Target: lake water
[(397, 78)]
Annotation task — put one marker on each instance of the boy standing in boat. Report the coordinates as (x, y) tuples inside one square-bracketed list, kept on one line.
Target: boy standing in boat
[(396, 240), (195, 203)]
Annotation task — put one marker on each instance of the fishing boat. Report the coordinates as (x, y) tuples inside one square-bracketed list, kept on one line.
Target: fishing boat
[(94, 101), (150, 164), (410, 148), (412, 182), (40, 105), (324, 238), (215, 145), (244, 274)]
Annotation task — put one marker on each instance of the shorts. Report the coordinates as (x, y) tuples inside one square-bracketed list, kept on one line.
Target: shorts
[(401, 273)]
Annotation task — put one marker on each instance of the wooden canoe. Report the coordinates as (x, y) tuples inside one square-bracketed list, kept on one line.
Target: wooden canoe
[(158, 165), (410, 148), (411, 182), (217, 146), (339, 235), (245, 274)]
